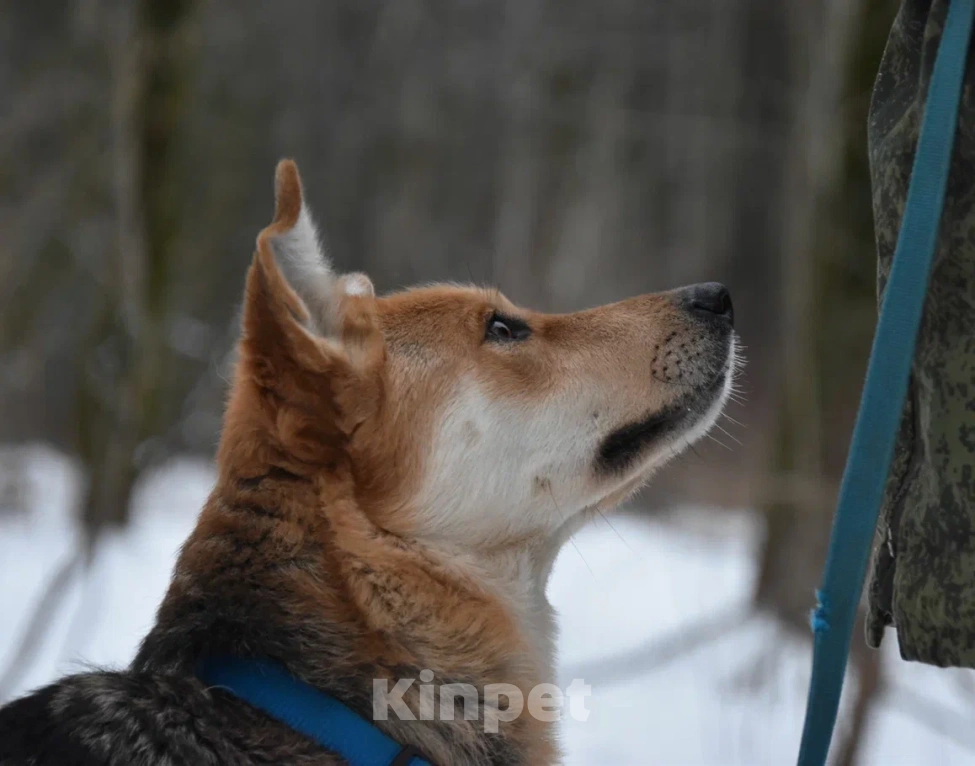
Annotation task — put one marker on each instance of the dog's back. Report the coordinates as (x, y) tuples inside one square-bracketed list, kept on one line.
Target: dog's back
[(97, 719)]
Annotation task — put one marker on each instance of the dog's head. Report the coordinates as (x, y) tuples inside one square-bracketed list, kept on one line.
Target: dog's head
[(450, 413)]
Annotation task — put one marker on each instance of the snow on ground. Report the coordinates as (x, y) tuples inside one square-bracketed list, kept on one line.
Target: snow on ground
[(632, 597)]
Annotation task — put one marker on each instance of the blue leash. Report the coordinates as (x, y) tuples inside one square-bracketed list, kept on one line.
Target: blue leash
[(269, 687), (872, 447)]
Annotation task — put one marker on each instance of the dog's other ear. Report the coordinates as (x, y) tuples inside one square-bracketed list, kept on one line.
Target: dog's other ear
[(309, 338)]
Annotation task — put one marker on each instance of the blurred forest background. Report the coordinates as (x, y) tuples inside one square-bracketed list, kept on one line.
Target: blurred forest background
[(571, 152)]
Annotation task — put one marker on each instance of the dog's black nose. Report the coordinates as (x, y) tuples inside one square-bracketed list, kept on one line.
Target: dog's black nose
[(710, 299)]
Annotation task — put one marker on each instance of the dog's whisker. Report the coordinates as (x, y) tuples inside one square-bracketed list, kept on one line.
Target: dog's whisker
[(730, 436), (551, 494), (713, 438), (596, 508), (581, 556)]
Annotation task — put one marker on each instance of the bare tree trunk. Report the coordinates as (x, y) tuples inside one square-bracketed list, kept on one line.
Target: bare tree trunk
[(121, 406), (823, 321), (151, 74), (589, 221), (513, 260)]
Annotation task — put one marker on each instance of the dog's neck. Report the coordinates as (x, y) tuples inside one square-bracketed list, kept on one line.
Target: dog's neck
[(289, 568), (515, 573)]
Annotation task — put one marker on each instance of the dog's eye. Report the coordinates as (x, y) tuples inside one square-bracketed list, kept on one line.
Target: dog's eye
[(499, 330), (505, 329)]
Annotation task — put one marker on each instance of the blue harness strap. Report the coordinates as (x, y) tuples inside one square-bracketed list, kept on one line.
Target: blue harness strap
[(885, 388), (269, 687)]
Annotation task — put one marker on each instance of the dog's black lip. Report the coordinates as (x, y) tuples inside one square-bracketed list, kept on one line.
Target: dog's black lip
[(621, 447)]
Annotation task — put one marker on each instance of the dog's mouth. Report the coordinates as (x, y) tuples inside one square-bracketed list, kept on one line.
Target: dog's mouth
[(699, 409)]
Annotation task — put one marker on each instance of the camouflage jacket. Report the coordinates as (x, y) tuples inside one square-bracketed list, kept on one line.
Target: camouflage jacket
[(923, 578)]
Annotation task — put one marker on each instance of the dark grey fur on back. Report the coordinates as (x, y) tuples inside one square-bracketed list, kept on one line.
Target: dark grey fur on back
[(143, 718)]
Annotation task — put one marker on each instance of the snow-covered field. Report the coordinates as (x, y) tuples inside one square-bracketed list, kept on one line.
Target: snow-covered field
[(624, 594)]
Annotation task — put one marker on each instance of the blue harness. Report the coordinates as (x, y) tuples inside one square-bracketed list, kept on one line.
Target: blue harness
[(267, 686), (872, 447)]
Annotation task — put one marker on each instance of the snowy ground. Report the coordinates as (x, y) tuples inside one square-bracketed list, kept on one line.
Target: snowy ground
[(622, 599)]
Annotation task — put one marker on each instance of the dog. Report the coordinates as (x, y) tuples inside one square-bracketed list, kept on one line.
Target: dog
[(396, 475)]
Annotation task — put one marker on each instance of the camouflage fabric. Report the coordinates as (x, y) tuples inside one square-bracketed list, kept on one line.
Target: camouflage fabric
[(923, 578)]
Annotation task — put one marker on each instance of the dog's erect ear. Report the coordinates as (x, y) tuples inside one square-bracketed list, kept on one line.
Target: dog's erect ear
[(303, 324), (293, 239)]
